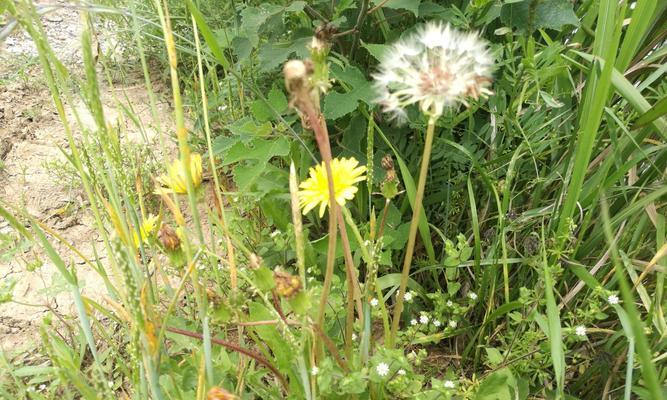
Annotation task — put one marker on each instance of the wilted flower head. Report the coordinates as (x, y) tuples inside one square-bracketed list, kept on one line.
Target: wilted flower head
[(436, 67), (315, 190), (175, 181)]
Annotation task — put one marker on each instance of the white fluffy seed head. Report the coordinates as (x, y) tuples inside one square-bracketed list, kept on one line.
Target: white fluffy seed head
[(436, 67)]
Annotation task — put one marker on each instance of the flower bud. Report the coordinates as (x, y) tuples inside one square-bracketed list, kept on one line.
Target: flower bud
[(168, 237), (287, 285), (255, 261)]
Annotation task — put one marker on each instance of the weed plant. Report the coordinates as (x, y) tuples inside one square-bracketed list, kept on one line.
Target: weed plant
[(504, 240)]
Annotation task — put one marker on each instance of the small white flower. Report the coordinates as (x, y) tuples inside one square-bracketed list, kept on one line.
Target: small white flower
[(613, 299), (222, 108), (580, 330), (413, 322), (41, 387), (436, 323), (382, 369), (423, 319), (449, 384), (275, 233), (401, 371), (436, 67), (354, 336), (110, 383), (472, 296), (314, 371), (407, 296), (453, 324), (450, 303), (374, 302)]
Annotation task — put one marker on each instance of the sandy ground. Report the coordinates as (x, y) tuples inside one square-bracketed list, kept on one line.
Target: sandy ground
[(31, 139)]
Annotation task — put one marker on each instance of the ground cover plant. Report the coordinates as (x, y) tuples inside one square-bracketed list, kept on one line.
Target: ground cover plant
[(494, 225)]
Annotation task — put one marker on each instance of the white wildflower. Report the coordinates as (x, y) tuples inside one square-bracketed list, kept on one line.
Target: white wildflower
[(314, 371), (436, 67), (613, 299), (580, 330), (413, 322), (407, 296), (382, 369), (401, 371), (450, 303), (453, 324), (449, 384), (275, 233), (472, 296), (423, 319), (354, 336), (374, 302), (41, 387), (436, 323)]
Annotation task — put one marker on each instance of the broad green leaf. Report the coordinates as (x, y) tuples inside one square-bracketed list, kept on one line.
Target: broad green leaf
[(271, 55), (410, 5), (259, 149), (337, 104), (376, 50), (248, 129), (252, 19), (550, 14), (261, 109)]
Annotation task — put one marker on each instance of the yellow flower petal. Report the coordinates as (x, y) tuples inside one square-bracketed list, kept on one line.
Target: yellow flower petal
[(315, 190)]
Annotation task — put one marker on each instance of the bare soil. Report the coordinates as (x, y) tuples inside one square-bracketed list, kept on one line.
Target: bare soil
[(32, 138)]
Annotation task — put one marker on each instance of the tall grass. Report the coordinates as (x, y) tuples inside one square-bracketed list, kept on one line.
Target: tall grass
[(540, 205)]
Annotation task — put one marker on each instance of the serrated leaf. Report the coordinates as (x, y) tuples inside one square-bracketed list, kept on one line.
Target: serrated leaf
[(277, 100), (337, 104), (248, 129), (549, 14), (410, 5), (272, 55), (259, 149), (376, 50), (252, 19)]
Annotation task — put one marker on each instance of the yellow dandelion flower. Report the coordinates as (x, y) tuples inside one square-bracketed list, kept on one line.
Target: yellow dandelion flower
[(145, 230), (315, 190), (175, 179)]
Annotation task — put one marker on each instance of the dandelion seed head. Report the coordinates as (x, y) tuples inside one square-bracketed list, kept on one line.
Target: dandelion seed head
[(437, 67), (382, 369)]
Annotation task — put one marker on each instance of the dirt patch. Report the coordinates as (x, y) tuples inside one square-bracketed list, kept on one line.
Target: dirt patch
[(32, 141)]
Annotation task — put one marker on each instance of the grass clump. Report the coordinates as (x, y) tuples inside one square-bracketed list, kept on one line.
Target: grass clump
[(504, 239)]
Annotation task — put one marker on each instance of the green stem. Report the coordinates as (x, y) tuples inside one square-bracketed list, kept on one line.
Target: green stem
[(414, 223)]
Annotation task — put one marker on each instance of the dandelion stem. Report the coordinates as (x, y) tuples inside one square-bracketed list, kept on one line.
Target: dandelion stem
[(414, 223)]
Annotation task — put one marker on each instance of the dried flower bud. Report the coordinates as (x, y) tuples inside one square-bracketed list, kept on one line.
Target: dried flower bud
[(255, 261), (387, 162), (287, 285), (218, 393), (168, 237), (390, 183)]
